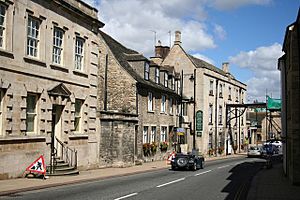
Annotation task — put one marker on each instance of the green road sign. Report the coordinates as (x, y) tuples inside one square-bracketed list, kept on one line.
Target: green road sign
[(199, 120), (273, 104)]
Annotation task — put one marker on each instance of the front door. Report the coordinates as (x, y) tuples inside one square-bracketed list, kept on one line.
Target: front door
[(56, 129)]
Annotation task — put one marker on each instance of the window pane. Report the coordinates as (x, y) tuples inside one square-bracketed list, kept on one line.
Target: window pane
[(31, 103), (79, 53)]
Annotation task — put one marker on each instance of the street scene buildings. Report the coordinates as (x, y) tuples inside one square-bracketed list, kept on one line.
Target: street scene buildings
[(289, 67), (77, 96)]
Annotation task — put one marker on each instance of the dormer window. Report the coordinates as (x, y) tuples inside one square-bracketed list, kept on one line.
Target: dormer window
[(147, 70), (166, 79), (157, 75)]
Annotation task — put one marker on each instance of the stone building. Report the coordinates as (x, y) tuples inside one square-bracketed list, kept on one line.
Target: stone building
[(48, 82), (139, 106), (262, 127), (206, 92), (289, 65)]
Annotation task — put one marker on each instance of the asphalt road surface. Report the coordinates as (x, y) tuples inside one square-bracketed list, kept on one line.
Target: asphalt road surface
[(220, 179)]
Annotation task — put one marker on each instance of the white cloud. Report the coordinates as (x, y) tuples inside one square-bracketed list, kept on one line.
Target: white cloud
[(263, 63), (203, 57), (219, 31), (233, 4), (131, 22)]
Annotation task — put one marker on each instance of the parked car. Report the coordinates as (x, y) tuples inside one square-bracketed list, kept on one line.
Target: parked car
[(187, 161), (255, 151)]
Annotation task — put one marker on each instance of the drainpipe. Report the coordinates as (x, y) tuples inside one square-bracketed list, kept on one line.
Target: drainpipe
[(105, 82), (194, 120), (216, 117)]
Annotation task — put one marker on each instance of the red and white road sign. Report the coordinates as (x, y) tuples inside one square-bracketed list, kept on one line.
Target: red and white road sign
[(38, 166), (171, 157)]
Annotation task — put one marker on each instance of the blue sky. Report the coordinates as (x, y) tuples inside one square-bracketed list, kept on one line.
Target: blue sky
[(247, 33)]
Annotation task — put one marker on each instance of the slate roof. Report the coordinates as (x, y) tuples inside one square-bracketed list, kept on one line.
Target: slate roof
[(202, 64), (124, 55)]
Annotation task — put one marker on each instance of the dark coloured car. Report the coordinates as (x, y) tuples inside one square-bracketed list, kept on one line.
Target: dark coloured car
[(187, 161)]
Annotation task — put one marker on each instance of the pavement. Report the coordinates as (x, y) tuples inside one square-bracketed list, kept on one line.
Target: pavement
[(267, 184)]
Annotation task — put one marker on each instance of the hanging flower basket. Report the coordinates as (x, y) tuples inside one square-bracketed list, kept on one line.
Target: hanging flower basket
[(164, 146)]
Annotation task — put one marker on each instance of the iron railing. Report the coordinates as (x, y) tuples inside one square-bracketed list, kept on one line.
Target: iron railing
[(67, 154)]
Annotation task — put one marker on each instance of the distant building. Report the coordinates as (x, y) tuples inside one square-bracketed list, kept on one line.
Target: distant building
[(262, 128), (206, 91), (48, 83), (289, 66)]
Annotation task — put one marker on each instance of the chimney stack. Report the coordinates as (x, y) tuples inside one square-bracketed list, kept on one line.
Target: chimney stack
[(161, 51), (177, 37), (225, 67)]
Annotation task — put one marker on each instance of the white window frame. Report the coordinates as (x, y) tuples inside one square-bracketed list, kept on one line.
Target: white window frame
[(153, 134), (79, 53), (220, 115), (229, 93), (78, 115), (163, 104), (33, 114), (211, 87), (58, 42), (210, 113), (146, 71), (210, 141), (145, 134), (173, 83), (33, 29), (2, 25), (150, 102), (166, 79), (221, 90), (171, 105), (163, 134), (157, 75), (178, 86)]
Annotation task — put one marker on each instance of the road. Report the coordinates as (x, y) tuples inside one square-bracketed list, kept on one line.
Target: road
[(220, 179)]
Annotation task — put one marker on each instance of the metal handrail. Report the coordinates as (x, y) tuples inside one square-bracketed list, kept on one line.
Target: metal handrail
[(67, 154)]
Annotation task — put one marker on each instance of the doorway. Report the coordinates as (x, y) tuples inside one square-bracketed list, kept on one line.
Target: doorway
[(56, 129)]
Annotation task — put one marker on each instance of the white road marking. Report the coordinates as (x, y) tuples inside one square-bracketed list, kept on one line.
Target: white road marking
[(223, 166), (126, 196), (202, 173), (175, 181)]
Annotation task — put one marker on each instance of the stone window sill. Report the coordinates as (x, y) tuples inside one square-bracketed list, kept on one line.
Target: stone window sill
[(59, 67), (78, 136), (80, 73), (34, 61), (6, 53)]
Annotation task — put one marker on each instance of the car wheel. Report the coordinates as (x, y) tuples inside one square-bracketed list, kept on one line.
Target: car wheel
[(194, 167), (181, 162)]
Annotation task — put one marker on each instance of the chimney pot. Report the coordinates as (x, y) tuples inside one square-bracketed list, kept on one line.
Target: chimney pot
[(225, 67), (177, 37)]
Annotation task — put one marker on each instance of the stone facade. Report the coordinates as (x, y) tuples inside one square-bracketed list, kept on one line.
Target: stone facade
[(289, 64), (48, 90), (129, 115), (201, 92)]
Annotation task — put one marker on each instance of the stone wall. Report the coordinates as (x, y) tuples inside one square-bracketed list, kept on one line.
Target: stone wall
[(117, 141)]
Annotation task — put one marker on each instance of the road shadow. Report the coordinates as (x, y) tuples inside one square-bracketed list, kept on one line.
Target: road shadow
[(241, 177)]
